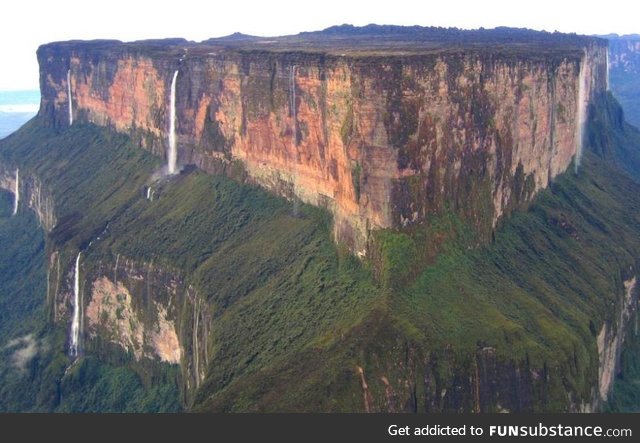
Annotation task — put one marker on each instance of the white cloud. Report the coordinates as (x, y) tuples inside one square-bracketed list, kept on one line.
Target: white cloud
[(27, 348), (19, 108)]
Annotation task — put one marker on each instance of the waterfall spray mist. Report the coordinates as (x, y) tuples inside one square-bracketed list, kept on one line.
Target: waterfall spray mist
[(172, 157), (75, 324), (69, 97), (16, 201)]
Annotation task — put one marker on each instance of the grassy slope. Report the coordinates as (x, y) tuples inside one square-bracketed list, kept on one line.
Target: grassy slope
[(539, 293), (90, 386), (22, 294), (276, 282), (21, 301)]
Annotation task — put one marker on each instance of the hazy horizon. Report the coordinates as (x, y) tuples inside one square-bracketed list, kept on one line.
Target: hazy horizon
[(16, 108)]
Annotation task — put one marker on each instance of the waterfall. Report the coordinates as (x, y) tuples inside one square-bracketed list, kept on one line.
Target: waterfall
[(581, 113), (150, 193), (16, 201), (69, 97), (292, 104), (75, 325), (196, 355), (292, 91), (172, 157), (607, 69)]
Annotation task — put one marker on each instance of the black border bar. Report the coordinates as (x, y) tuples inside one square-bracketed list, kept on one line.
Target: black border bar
[(354, 428)]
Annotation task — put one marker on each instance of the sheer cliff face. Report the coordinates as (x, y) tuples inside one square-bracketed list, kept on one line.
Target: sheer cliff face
[(624, 64), (139, 308), (34, 195), (625, 54), (381, 141)]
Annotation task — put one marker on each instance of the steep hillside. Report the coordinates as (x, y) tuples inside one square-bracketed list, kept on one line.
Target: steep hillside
[(516, 325), (22, 302), (446, 325), (262, 279)]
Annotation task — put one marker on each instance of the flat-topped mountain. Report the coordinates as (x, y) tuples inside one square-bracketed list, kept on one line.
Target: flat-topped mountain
[(381, 125), (356, 219), (375, 40)]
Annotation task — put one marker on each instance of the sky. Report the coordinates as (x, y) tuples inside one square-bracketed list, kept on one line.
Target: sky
[(27, 24)]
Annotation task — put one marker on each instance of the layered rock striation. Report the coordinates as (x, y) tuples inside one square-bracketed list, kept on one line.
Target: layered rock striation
[(381, 136)]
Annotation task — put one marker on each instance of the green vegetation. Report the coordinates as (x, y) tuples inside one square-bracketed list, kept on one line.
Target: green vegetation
[(22, 296), (275, 282), (395, 258), (537, 296), (93, 386), (32, 363), (79, 177), (346, 130), (22, 271), (294, 316), (356, 176), (532, 293), (626, 390)]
